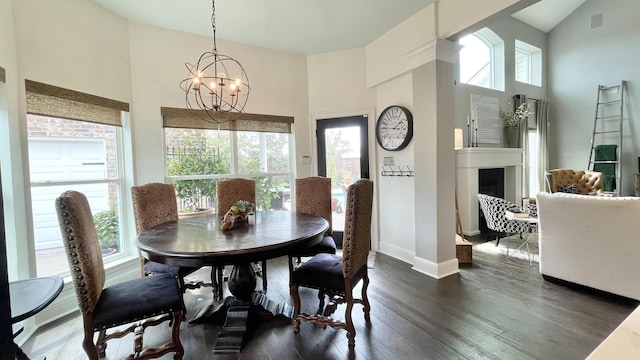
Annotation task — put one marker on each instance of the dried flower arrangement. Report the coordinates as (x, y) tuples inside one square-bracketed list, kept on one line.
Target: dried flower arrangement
[(517, 117)]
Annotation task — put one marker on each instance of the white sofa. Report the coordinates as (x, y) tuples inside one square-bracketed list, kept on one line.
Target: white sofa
[(591, 240)]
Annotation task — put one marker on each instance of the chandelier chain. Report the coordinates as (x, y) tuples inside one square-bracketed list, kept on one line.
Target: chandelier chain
[(216, 84), (213, 25)]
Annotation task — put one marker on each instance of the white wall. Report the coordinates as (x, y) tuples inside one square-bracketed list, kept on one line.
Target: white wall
[(10, 150), (580, 59), (396, 195), (337, 88)]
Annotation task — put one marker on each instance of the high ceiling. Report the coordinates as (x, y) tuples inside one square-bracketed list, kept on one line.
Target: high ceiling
[(302, 26)]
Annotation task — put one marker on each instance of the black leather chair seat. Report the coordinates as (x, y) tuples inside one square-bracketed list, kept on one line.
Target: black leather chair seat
[(152, 268), (137, 299), (323, 271), (326, 246)]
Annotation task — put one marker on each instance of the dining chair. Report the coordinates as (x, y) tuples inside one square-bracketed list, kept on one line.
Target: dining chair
[(313, 196), (494, 209), (336, 275), (230, 192), (140, 303), (155, 204)]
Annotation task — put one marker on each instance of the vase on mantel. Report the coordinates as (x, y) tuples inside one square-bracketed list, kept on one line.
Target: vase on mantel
[(512, 137)]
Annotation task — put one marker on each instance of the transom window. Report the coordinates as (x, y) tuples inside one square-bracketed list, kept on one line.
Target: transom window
[(528, 63), (482, 60)]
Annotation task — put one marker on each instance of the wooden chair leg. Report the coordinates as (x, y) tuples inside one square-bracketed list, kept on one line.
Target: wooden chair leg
[(320, 302), (351, 330), (264, 276), (290, 272), (220, 282), (175, 335), (365, 298), (89, 347), (296, 308)]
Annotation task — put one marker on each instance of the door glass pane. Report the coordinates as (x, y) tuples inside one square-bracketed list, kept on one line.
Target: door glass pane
[(343, 167)]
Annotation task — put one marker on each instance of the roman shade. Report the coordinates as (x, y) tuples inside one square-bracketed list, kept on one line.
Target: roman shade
[(198, 119), (49, 100)]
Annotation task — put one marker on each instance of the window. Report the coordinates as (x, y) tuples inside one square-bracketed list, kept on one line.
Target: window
[(198, 155), (528, 63), (74, 145), (482, 60)]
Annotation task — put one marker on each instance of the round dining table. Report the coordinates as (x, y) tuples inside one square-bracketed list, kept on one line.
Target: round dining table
[(198, 241)]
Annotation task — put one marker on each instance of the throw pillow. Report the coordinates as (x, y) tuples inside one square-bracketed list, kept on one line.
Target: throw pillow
[(571, 189)]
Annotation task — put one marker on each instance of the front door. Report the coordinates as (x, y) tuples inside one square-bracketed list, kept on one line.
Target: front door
[(343, 156)]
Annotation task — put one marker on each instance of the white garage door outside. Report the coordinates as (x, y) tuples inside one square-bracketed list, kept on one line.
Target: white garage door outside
[(60, 160)]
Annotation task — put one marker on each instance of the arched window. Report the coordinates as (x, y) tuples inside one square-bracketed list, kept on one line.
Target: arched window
[(482, 60)]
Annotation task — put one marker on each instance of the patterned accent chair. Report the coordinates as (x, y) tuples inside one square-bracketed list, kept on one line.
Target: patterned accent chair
[(313, 196), (587, 182), (155, 204), (141, 302), (494, 209), (230, 192), (336, 276)]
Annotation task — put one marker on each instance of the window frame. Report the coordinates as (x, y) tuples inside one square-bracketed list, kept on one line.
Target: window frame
[(234, 167), (495, 45), (123, 158), (533, 69)]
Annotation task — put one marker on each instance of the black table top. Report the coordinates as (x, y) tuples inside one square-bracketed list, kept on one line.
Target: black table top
[(199, 241), (30, 296)]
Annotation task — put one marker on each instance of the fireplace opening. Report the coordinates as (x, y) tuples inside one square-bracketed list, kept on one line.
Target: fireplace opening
[(490, 182)]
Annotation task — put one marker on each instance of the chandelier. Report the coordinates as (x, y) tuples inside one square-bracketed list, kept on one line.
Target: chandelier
[(217, 83)]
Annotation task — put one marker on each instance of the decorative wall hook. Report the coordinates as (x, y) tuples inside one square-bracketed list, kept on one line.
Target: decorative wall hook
[(396, 171)]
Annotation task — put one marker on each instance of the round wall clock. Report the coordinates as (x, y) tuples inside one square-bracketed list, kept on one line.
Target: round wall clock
[(394, 129)]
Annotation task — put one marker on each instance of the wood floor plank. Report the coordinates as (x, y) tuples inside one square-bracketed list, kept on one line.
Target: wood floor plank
[(495, 308)]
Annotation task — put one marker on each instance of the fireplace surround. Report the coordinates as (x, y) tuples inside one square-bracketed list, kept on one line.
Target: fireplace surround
[(469, 162)]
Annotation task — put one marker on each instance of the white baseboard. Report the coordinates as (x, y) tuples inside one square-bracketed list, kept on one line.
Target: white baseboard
[(436, 270), (397, 252)]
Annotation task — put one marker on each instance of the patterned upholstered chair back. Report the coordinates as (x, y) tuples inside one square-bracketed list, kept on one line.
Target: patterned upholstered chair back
[(82, 247), (313, 196), (494, 209), (147, 301), (357, 227), (231, 191), (586, 182), (154, 204)]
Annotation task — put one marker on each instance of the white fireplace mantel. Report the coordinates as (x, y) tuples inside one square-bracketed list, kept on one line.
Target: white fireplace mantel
[(469, 161)]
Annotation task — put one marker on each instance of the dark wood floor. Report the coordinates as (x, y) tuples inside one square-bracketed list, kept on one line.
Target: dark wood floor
[(497, 308)]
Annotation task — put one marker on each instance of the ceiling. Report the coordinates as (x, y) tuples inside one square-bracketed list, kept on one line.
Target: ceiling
[(303, 26)]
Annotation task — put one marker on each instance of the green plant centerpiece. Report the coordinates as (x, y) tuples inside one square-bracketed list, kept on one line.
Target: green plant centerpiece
[(236, 214)]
